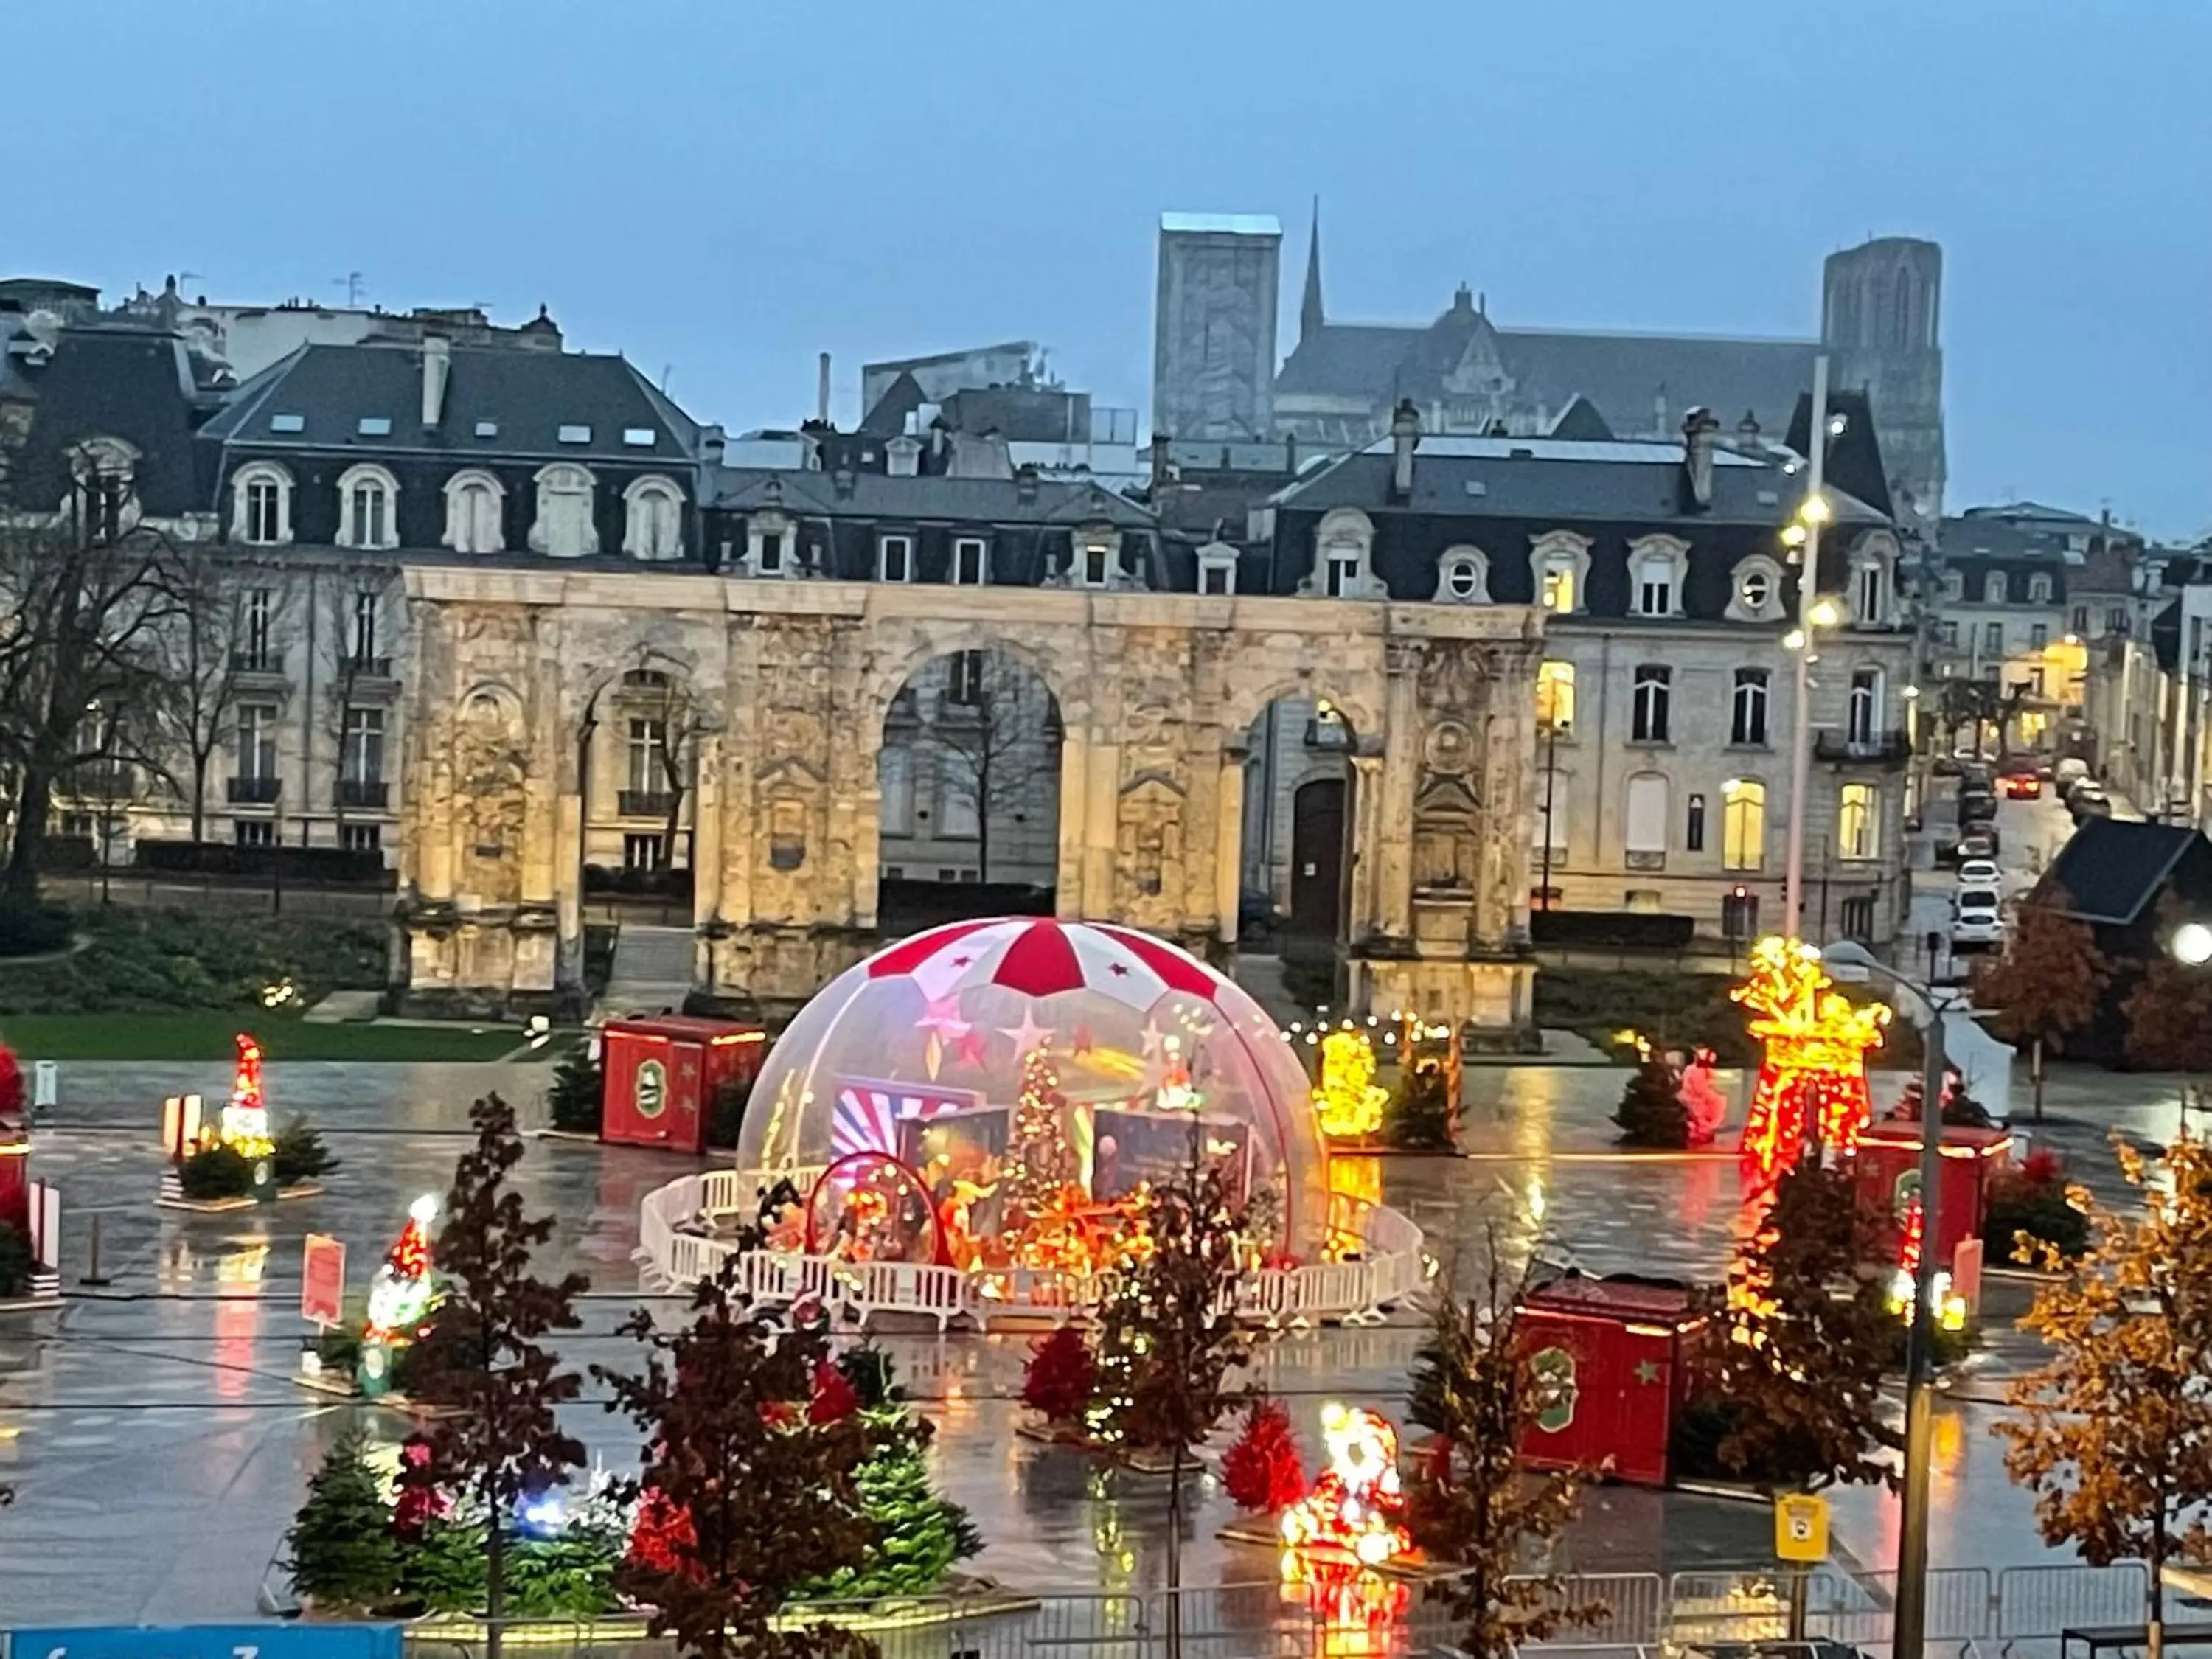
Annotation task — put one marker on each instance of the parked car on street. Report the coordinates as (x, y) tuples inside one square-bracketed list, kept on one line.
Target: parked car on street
[(2070, 771), (1979, 843), (2089, 801), (1979, 873), (1977, 923), (2022, 785)]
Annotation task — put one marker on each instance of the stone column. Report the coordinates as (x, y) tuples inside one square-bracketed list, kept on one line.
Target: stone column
[(1229, 840), (1401, 739), (1074, 816), (707, 827), (1101, 826), (1363, 907)]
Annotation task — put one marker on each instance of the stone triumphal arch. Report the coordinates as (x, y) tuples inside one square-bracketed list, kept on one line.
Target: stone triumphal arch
[(788, 684)]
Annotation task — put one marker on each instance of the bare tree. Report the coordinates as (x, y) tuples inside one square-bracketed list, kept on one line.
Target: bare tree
[(654, 692), (995, 735), (84, 605), (228, 609)]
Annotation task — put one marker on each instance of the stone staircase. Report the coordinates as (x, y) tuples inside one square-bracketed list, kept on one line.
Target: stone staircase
[(652, 970)]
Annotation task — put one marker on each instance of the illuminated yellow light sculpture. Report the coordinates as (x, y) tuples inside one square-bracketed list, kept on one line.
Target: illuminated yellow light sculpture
[(1811, 1069), (1347, 1101), (1353, 1511)]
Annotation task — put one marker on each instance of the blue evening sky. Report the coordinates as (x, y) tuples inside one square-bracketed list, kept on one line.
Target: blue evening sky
[(723, 189)]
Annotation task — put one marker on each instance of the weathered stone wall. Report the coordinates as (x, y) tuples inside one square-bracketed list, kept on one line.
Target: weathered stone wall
[(515, 670)]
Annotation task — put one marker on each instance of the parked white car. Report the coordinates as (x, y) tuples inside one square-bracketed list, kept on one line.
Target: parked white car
[(1977, 922), (1979, 873)]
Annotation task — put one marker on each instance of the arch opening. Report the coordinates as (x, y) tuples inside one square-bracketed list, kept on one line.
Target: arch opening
[(1295, 861)]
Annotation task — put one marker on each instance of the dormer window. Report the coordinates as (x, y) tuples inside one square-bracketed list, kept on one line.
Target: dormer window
[(374, 426), (1993, 588), (895, 559), (368, 501), (2038, 589), (770, 545), (1344, 546), (1954, 586), (564, 527), (1463, 577), (652, 527), (1756, 591), (1871, 593), (1216, 568), (1658, 565), (1560, 562), (969, 567), (574, 435), (261, 504), (474, 500), (1094, 559)]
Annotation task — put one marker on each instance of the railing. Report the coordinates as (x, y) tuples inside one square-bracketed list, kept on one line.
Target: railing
[(370, 792), (643, 803), (1642, 1615), (257, 662), (1884, 748), (255, 791), (366, 668), (682, 1239)]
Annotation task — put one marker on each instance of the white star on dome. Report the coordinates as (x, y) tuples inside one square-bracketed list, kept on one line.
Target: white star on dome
[(1028, 1034)]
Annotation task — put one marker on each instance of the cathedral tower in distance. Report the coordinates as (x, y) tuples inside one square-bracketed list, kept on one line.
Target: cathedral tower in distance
[(1881, 304), (1213, 339)]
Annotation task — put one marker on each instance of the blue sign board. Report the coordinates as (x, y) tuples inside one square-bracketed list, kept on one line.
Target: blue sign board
[(273, 1641)]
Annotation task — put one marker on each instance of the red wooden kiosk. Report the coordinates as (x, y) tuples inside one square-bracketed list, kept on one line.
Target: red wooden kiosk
[(1610, 1358), (662, 1073), (1888, 1175)]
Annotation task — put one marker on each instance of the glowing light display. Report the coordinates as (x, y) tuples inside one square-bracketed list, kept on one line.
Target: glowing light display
[(246, 1115), (1353, 1513), (1812, 1070), (1903, 1289), (400, 1295), (1346, 1099)]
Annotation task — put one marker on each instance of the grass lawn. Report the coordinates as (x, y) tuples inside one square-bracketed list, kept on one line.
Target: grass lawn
[(1674, 1010), (189, 1036)]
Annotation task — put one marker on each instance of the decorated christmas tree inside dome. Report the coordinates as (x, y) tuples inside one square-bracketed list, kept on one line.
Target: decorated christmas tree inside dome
[(1005, 1094)]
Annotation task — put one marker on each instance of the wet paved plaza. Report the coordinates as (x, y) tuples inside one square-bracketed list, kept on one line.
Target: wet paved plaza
[(158, 1442)]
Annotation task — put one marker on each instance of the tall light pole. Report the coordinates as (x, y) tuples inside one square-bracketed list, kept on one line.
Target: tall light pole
[(1849, 960), (1810, 517)]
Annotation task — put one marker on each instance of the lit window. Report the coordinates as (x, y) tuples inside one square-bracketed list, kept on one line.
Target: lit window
[(1858, 822), (1559, 589), (1555, 698), (1743, 824)]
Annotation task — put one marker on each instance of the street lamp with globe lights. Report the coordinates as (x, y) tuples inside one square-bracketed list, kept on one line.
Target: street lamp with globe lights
[(1802, 536), (2192, 944)]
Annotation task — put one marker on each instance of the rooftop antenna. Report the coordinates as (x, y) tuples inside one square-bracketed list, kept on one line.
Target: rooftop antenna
[(352, 282), (667, 369)]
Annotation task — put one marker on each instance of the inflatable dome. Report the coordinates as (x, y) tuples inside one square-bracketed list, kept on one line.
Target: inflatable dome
[(1001, 1094)]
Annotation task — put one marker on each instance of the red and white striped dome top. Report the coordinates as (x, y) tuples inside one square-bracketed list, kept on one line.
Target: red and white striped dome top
[(1039, 956)]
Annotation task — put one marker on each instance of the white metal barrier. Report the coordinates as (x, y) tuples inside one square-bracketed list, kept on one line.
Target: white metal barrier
[(683, 1232)]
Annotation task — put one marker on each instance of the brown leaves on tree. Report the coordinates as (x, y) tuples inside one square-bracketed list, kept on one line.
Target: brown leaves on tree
[(2113, 1433), (1469, 1503), (1806, 1336), (2048, 983), (2169, 1017), (769, 1493), (507, 1440)]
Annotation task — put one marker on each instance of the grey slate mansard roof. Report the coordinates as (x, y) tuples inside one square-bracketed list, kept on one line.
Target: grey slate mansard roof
[(2112, 867), (133, 384), (1621, 374), (1562, 480), (876, 496), (528, 395)]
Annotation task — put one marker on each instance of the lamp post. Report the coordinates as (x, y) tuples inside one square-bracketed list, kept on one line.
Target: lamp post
[(1849, 960), (1804, 533)]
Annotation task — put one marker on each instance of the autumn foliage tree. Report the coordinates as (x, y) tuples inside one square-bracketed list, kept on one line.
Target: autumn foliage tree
[(751, 1494), (1807, 1334), (1469, 1503), (2047, 984), (505, 1441), (2113, 1433)]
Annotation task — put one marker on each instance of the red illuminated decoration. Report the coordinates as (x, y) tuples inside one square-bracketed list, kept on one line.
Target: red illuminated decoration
[(1908, 1249), (401, 1294), (1355, 1514), (1812, 1070), (246, 1115)]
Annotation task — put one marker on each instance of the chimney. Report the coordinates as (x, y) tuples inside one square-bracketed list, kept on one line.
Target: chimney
[(1747, 435), (712, 441), (840, 479), (1700, 430), (437, 369), (821, 389), (1159, 464), (1405, 437), (1025, 483)]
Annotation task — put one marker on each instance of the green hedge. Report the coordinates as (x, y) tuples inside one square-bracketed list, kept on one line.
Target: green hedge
[(145, 961)]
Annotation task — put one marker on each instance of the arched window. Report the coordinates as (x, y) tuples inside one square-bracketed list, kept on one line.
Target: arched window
[(102, 487), (261, 504), (1993, 588), (368, 507), (564, 526), (1560, 562), (1649, 704), (474, 500), (1555, 698), (1747, 708), (1743, 824), (652, 525), (1858, 822), (1870, 592), (2038, 589), (1463, 576), (1864, 712), (1344, 542)]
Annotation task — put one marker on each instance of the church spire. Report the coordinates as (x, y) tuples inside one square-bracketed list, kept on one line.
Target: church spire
[(1309, 311)]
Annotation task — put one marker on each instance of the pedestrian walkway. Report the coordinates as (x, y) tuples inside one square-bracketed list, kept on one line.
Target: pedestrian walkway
[(653, 971)]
